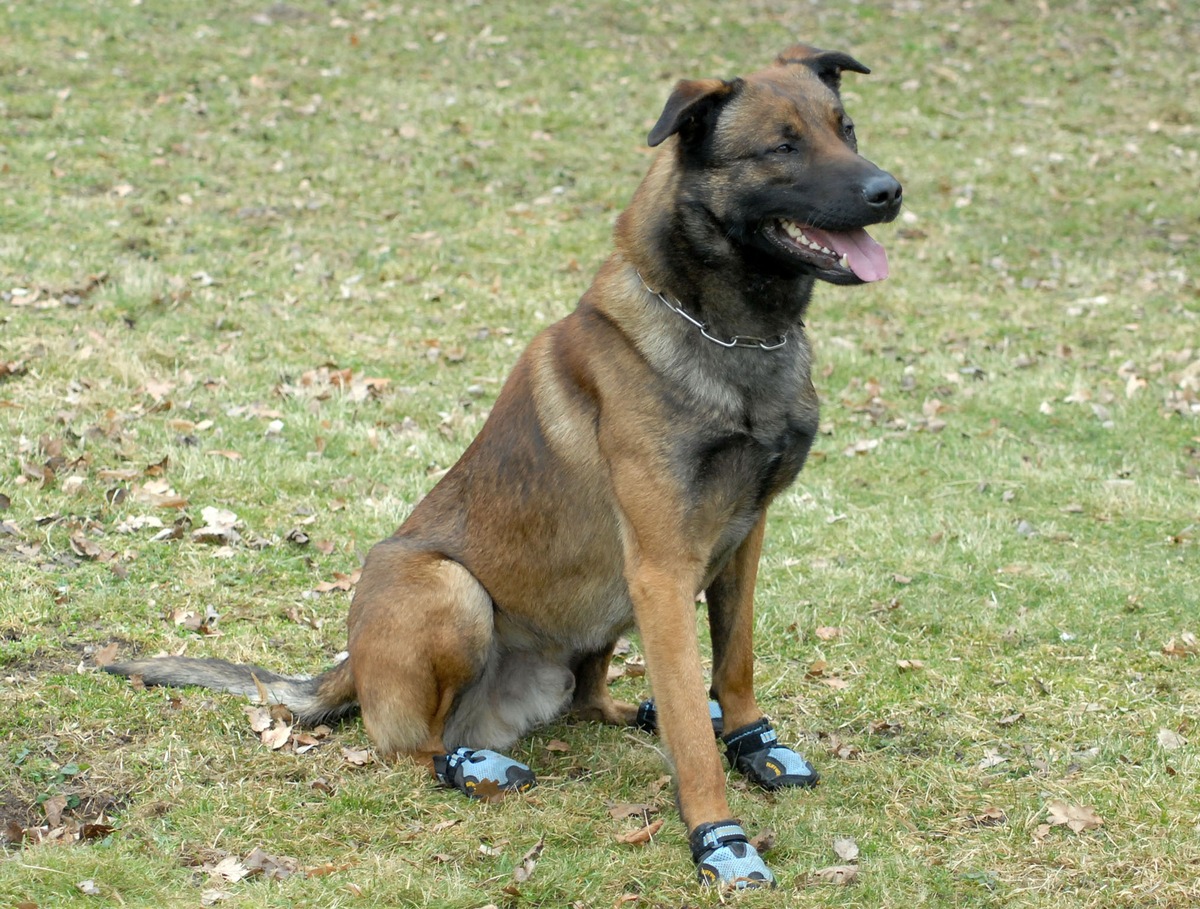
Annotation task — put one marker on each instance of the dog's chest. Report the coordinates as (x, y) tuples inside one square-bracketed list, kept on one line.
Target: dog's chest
[(746, 452)]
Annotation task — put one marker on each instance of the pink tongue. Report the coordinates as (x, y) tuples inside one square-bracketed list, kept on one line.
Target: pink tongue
[(867, 259)]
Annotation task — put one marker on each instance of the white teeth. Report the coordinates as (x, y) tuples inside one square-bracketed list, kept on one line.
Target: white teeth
[(844, 261), (796, 233)]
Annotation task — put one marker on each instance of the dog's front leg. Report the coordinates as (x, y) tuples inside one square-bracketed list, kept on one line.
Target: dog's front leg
[(750, 740), (664, 604), (730, 600)]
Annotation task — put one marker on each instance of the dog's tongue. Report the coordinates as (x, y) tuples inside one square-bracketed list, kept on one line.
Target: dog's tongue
[(867, 259)]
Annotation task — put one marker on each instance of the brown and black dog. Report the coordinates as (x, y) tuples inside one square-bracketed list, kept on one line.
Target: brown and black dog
[(626, 467)]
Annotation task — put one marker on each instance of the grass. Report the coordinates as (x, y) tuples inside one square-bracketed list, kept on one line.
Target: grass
[(203, 206)]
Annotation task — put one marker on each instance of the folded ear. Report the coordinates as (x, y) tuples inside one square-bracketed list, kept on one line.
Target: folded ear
[(691, 108), (828, 65)]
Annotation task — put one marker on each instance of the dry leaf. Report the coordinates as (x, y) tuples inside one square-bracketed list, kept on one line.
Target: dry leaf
[(88, 887), (828, 633), (991, 758), (260, 718), (524, 871), (989, 817), (277, 736), (230, 869), (910, 665), (105, 655), (340, 582), (1169, 740), (641, 836), (764, 842), (843, 750), (837, 874), (557, 745), (846, 848), (1187, 645), (357, 757), (1077, 817), (271, 866), (54, 807)]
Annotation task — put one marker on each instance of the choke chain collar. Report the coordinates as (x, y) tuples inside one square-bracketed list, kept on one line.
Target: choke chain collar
[(736, 341)]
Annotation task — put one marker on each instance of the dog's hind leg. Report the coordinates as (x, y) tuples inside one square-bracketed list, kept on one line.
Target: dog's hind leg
[(420, 632), (592, 700)]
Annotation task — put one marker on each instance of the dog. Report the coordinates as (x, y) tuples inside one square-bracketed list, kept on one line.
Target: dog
[(626, 468)]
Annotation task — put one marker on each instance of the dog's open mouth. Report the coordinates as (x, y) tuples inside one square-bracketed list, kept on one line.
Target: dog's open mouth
[(850, 252)]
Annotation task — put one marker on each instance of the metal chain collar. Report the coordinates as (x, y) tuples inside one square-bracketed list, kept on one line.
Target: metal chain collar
[(735, 341)]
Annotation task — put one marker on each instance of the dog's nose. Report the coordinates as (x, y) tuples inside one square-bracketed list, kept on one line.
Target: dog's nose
[(882, 190)]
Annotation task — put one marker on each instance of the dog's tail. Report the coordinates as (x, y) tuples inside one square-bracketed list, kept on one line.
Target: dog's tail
[(319, 699)]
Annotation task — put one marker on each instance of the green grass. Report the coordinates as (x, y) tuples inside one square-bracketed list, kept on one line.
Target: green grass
[(411, 193)]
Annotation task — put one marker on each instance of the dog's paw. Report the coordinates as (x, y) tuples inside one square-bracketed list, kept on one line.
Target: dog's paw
[(753, 750), (647, 717), (481, 774), (725, 858)]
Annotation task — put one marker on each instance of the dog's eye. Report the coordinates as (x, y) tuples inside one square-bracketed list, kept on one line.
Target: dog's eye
[(785, 149), (848, 129)]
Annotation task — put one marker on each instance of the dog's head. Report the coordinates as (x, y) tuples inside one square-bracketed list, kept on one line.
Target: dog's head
[(769, 163)]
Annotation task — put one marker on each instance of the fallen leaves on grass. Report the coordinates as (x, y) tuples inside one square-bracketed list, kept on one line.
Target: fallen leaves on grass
[(357, 757), (340, 581), (764, 841), (819, 671), (322, 382), (642, 835), (274, 727), (529, 860), (1077, 818), (846, 848), (843, 750), (836, 874), (191, 620), (230, 869), (989, 817), (1169, 740), (1186, 645), (58, 830), (991, 758)]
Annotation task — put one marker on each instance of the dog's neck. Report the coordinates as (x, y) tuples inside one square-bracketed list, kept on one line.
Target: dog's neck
[(742, 295)]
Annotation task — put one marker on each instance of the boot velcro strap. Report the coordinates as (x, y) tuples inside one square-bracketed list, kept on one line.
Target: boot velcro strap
[(446, 764), (749, 739), (707, 837)]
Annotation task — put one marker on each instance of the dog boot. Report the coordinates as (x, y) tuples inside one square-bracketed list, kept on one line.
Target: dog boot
[(647, 717), (481, 774), (724, 857), (753, 751)]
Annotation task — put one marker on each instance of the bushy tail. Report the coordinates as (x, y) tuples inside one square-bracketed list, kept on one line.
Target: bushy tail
[(320, 699)]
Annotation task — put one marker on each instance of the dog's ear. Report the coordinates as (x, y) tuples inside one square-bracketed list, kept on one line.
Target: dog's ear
[(691, 107), (828, 65)]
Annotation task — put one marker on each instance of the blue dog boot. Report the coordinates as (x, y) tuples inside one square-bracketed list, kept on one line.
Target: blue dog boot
[(482, 774), (724, 857), (647, 717), (752, 750)]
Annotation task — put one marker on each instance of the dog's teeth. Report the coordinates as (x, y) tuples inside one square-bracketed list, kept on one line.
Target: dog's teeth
[(844, 261)]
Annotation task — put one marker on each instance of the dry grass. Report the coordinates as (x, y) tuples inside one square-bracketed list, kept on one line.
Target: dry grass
[(410, 194)]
